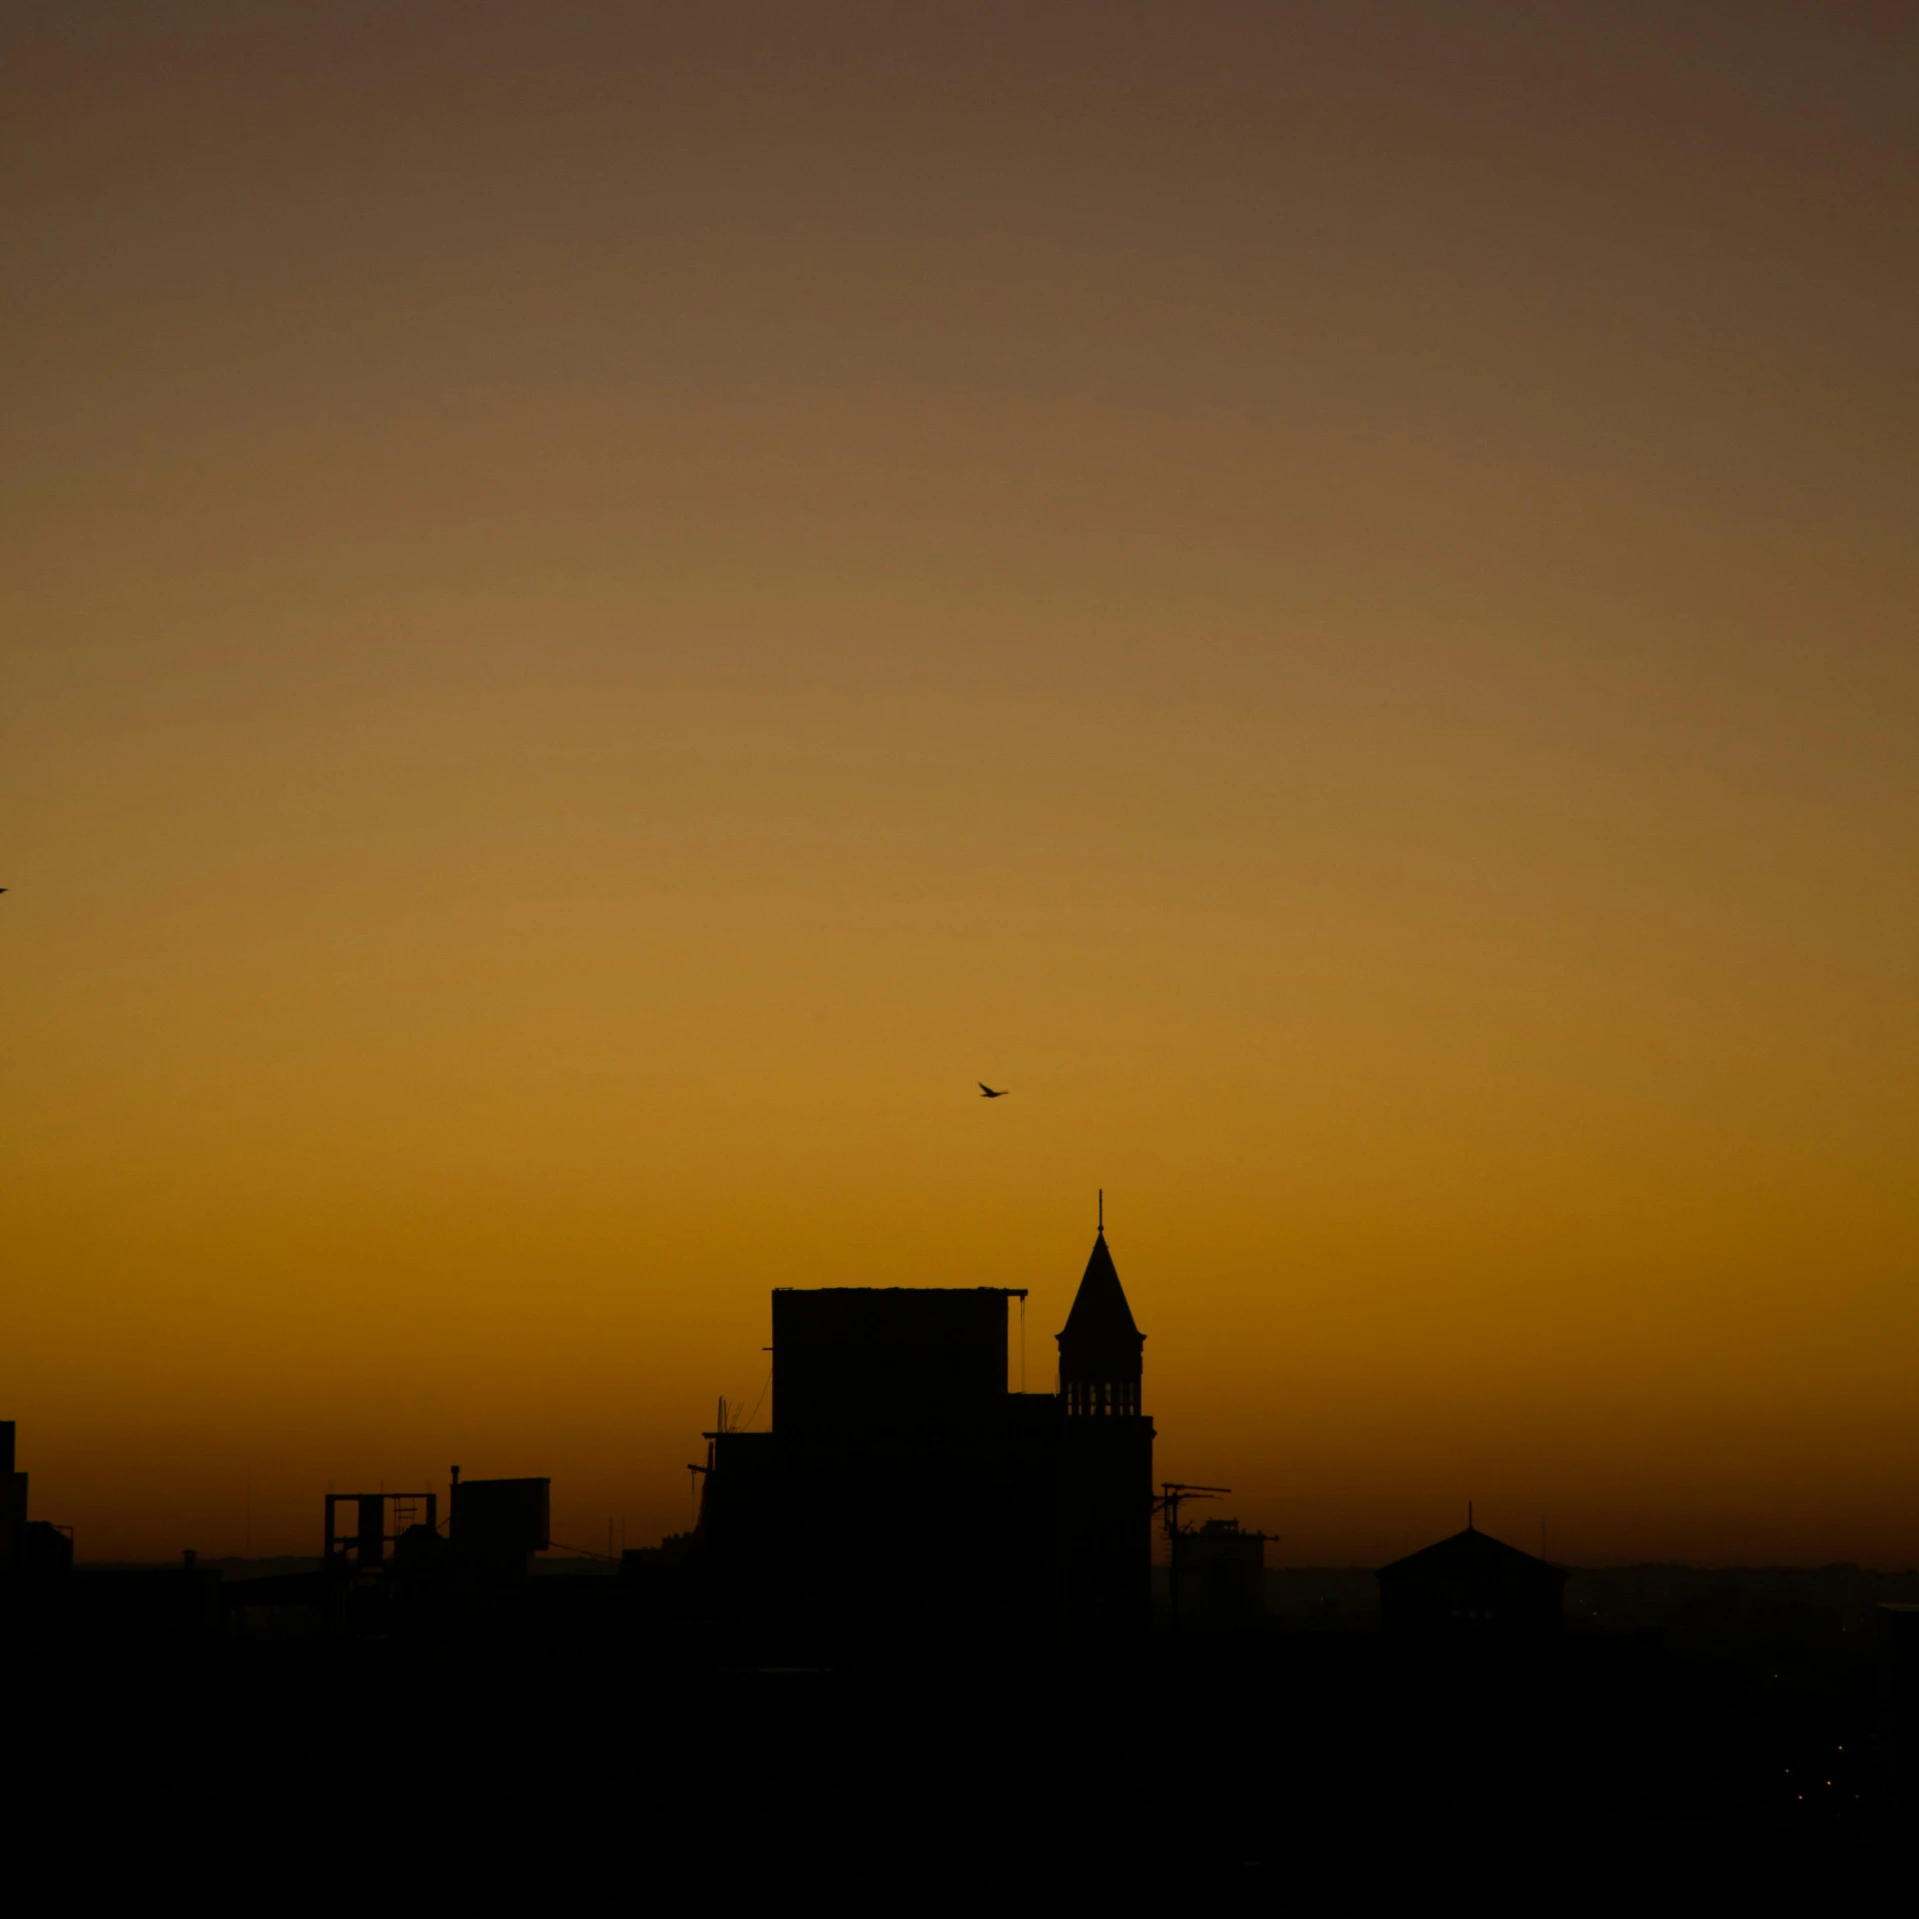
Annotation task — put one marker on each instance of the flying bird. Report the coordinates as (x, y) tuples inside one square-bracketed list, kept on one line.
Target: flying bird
[(986, 1092)]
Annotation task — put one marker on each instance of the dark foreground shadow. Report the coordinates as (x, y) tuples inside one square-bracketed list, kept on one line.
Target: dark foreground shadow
[(569, 1747)]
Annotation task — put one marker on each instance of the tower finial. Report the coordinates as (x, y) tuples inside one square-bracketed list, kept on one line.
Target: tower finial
[(1102, 1209)]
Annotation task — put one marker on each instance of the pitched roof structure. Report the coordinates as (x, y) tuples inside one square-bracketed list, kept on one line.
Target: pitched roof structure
[(1100, 1311), (1472, 1550), (1471, 1583)]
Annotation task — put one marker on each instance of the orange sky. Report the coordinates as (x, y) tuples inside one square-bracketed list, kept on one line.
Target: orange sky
[(605, 606)]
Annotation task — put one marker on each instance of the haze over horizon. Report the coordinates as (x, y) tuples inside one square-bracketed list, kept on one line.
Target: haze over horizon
[(608, 607)]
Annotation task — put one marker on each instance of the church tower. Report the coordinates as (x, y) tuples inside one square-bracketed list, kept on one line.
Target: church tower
[(1101, 1352), (1104, 1485)]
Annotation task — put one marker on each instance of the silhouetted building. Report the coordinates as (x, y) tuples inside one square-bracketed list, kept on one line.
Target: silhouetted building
[(905, 1500), (1897, 1690), (1471, 1583), (379, 1521), (387, 1566), (1104, 1465), (13, 1490), (499, 1524), (1101, 1351), (651, 1578), (33, 1553), (1221, 1574), (1472, 1685)]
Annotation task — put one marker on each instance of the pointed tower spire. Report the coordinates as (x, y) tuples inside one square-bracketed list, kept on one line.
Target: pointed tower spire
[(1101, 1351)]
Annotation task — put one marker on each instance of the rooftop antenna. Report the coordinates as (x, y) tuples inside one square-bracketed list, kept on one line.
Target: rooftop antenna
[(1469, 1515), (1172, 1495), (1102, 1211)]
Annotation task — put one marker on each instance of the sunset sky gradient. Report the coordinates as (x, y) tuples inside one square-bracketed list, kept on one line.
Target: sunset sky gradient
[(605, 606)]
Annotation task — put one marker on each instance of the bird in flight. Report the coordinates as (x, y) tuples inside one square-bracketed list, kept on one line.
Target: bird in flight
[(986, 1092)]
